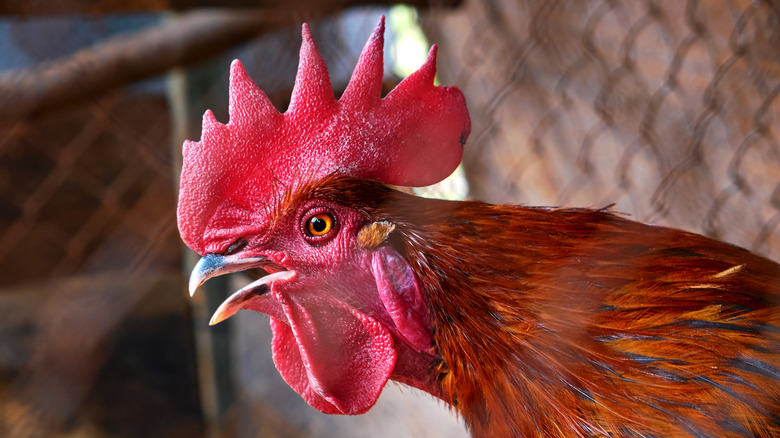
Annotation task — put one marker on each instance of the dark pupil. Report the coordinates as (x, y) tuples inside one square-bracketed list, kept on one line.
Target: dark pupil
[(318, 224)]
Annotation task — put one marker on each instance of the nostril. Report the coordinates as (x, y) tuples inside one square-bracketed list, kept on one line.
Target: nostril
[(235, 247)]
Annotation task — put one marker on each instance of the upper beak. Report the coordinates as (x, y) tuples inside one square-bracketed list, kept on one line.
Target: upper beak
[(213, 265)]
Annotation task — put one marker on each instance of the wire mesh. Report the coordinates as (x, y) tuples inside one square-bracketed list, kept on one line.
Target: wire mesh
[(68, 181), (667, 109), (93, 324)]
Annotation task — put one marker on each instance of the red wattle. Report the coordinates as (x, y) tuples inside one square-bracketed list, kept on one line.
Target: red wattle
[(338, 359)]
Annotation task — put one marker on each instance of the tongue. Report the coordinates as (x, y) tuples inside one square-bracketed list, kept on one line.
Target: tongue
[(336, 358)]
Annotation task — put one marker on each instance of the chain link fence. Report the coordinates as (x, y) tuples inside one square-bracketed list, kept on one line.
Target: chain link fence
[(666, 109), (94, 331)]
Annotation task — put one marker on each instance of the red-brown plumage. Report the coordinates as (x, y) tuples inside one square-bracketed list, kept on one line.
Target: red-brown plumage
[(575, 322)]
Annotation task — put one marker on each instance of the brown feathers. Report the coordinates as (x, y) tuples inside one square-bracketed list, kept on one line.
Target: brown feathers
[(574, 322)]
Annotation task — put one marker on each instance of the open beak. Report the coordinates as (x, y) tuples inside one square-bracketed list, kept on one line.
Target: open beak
[(213, 265)]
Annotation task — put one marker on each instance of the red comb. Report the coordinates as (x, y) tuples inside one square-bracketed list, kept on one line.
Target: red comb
[(412, 137)]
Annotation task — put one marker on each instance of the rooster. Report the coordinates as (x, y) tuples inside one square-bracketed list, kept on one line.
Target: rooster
[(527, 321)]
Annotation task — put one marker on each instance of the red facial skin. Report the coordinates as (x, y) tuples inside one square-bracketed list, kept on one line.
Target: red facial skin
[(347, 315)]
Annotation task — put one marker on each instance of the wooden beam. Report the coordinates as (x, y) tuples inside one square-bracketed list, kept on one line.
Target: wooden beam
[(51, 7), (190, 37)]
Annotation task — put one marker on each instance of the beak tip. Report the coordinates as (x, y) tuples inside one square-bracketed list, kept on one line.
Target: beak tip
[(208, 266), (217, 318), (195, 280), (223, 312), (193, 285)]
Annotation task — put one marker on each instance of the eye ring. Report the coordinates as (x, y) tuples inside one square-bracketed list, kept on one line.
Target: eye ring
[(319, 226)]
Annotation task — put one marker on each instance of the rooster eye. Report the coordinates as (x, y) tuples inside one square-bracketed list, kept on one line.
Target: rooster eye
[(319, 226)]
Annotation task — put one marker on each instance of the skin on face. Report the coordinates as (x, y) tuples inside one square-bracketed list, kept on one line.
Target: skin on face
[(343, 304)]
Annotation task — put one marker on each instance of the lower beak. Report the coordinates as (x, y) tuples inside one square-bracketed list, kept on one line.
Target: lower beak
[(213, 265)]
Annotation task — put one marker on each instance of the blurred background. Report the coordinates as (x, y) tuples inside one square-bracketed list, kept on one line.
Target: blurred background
[(667, 109)]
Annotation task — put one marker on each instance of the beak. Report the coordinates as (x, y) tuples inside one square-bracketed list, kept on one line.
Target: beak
[(255, 289), (213, 265)]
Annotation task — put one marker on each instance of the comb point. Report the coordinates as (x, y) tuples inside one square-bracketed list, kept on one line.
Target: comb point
[(209, 120), (245, 94), (365, 86), (428, 69), (312, 95)]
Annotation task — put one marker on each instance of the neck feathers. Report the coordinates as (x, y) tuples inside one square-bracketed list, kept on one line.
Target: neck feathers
[(576, 322)]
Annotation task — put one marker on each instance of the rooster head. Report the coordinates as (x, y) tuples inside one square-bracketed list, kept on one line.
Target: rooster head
[(343, 306)]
